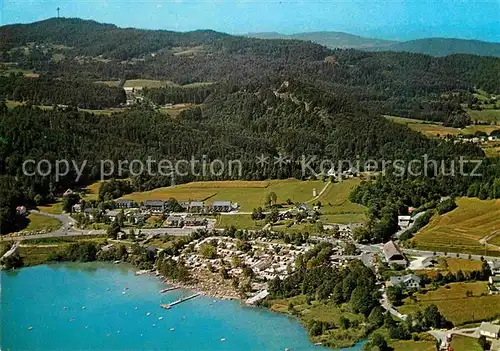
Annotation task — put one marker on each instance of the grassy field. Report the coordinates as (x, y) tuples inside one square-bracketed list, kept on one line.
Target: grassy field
[(410, 345), (54, 208), (460, 229), (436, 129), (243, 221), (463, 343), (248, 195), (92, 191), (175, 110), (454, 304), (325, 313), (454, 265), (336, 205), (37, 251), (485, 115), (147, 83), (39, 222)]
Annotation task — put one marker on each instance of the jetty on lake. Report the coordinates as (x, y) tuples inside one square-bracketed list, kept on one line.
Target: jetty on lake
[(167, 306), (169, 289)]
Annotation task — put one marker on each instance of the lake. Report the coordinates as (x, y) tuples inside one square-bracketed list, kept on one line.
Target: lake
[(100, 306)]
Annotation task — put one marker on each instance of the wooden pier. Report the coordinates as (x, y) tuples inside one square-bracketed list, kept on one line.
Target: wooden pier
[(169, 289), (172, 304)]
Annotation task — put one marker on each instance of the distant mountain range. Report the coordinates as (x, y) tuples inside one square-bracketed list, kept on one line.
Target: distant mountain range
[(430, 46)]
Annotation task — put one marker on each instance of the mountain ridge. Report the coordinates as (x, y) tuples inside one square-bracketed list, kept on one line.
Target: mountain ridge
[(435, 46)]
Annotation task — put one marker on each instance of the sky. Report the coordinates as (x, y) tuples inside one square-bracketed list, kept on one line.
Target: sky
[(389, 19)]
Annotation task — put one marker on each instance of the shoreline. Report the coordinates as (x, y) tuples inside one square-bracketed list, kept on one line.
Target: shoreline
[(209, 286)]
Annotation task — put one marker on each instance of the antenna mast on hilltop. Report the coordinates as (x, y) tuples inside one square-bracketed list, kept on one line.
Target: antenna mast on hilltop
[(58, 12)]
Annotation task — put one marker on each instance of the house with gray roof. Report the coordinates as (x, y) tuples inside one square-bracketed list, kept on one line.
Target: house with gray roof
[(196, 207), (489, 330), (194, 221), (124, 203), (494, 267), (112, 214), (175, 221), (409, 281), (222, 206), (155, 206)]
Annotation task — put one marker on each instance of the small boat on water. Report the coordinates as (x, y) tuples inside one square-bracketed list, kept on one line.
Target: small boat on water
[(147, 314), (223, 339), (83, 307), (160, 318), (30, 328), (117, 262)]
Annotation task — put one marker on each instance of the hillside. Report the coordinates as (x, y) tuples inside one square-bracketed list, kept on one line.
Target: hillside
[(271, 97), (429, 46), (330, 39), (447, 46)]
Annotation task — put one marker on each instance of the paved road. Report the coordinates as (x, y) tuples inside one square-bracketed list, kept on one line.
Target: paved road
[(67, 230), (386, 305), (449, 254)]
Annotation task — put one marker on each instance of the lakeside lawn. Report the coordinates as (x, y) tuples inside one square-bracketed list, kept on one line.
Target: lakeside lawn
[(39, 222), (454, 303), (411, 345), (324, 312), (37, 251), (461, 229)]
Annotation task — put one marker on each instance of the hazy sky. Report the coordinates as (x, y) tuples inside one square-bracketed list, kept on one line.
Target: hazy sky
[(395, 19)]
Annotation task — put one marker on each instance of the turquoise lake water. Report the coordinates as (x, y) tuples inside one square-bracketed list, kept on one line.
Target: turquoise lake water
[(50, 299)]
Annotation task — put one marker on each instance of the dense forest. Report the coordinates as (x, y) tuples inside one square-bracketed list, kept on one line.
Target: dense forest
[(402, 84), (271, 97), (46, 91)]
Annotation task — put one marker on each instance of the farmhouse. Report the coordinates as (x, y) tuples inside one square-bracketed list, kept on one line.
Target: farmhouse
[(155, 206), (494, 267), (174, 221), (77, 208), (112, 215), (196, 207), (221, 206), (195, 221), (124, 203), (393, 254), (494, 283), (184, 205), (91, 213), (489, 330), (136, 218), (409, 281)]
